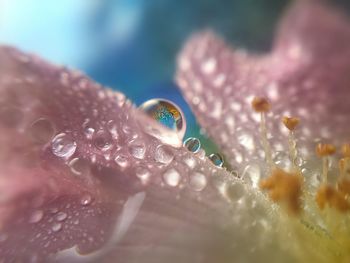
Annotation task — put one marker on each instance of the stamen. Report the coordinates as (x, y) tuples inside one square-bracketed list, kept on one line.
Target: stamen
[(323, 151), (326, 194), (261, 105), (291, 123), (344, 167), (284, 187)]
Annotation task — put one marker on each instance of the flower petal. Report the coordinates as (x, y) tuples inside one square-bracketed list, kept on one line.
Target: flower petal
[(86, 177), (305, 75)]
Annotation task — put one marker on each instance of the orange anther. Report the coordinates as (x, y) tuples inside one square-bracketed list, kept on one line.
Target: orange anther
[(261, 104), (290, 122), (323, 150), (345, 150), (284, 187)]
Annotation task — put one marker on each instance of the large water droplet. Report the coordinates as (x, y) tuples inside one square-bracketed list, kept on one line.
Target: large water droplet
[(198, 181), (193, 144), (121, 160), (163, 154), (36, 216), (137, 149), (166, 113), (216, 159), (171, 177), (103, 140), (63, 145), (41, 131)]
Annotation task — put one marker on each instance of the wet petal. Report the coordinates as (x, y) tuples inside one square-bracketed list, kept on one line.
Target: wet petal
[(73, 187), (305, 76)]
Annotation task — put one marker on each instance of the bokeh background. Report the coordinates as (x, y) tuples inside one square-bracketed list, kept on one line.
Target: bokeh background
[(131, 45)]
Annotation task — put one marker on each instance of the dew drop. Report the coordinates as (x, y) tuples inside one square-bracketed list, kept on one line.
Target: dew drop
[(137, 149), (88, 131), (252, 174), (102, 140), (86, 200), (61, 216), (192, 144), (121, 160), (171, 177), (143, 174), (190, 162), (112, 128), (56, 227), (79, 166), (198, 181), (36, 216), (41, 131), (163, 154), (63, 146), (235, 191), (166, 113), (216, 159)]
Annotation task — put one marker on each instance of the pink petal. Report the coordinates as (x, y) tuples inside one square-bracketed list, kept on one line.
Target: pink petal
[(109, 188), (306, 75)]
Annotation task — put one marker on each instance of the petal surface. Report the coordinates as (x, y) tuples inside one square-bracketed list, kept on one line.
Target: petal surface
[(305, 75), (85, 177)]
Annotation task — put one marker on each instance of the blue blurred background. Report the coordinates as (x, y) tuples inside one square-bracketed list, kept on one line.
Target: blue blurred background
[(131, 45)]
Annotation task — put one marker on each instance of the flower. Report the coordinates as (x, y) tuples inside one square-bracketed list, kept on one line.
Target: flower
[(87, 177)]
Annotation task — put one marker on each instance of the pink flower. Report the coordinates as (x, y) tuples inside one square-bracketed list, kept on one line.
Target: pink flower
[(87, 177)]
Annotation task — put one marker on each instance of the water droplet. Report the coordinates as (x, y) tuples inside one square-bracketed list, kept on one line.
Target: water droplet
[(190, 162), (79, 166), (56, 227), (61, 216), (122, 160), (163, 154), (216, 159), (112, 128), (103, 140), (235, 191), (171, 177), (86, 200), (63, 146), (143, 174), (166, 113), (201, 154), (41, 131), (193, 144), (198, 181), (88, 131), (252, 174), (137, 149), (36, 216), (299, 161)]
